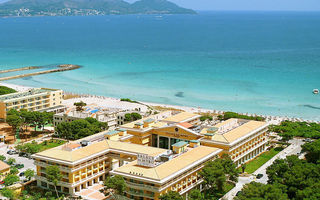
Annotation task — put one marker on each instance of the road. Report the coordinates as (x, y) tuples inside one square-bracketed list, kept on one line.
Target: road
[(293, 149)]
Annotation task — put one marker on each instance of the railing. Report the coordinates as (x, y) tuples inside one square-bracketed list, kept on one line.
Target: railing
[(250, 150), (140, 194), (189, 187), (142, 186)]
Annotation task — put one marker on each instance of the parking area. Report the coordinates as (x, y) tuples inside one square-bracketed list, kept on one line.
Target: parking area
[(28, 163)]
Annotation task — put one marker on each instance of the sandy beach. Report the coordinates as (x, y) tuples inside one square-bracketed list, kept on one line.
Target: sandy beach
[(109, 102)]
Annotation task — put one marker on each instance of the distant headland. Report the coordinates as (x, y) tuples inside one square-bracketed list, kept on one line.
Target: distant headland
[(25, 8)]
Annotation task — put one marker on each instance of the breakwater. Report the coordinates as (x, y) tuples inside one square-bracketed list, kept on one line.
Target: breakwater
[(19, 69), (60, 68)]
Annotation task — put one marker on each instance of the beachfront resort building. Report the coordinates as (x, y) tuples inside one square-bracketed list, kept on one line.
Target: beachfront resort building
[(36, 99), (4, 169), (241, 139), (148, 171), (157, 154)]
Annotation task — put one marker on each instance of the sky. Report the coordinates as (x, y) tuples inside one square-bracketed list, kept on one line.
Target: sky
[(272, 5)]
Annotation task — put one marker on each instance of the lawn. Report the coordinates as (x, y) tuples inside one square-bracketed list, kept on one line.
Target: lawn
[(50, 144), (255, 164)]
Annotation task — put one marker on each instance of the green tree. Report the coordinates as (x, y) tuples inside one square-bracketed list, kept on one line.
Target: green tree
[(79, 105), (195, 194), (6, 192), (15, 122), (259, 191), (11, 161), (136, 116), (14, 170), (312, 151), (80, 128), (171, 196), (54, 176), (115, 183), (29, 173), (295, 174), (216, 173), (10, 179), (2, 158)]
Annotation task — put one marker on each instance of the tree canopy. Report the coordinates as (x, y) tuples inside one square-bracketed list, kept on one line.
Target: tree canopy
[(80, 105), (216, 174), (298, 177), (129, 117), (5, 90), (229, 115), (116, 183), (54, 175), (259, 191), (297, 129), (10, 179), (80, 128), (312, 151)]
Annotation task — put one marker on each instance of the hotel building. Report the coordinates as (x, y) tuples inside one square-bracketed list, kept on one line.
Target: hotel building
[(37, 99), (241, 139), (161, 153)]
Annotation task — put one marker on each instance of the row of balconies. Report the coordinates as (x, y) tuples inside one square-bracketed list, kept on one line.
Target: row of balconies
[(140, 194), (67, 169), (248, 151), (142, 186), (189, 187), (181, 177), (251, 145)]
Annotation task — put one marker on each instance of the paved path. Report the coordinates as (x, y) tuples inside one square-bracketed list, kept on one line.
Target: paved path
[(293, 149)]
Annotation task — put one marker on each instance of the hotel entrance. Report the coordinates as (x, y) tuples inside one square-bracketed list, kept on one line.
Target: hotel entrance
[(164, 142)]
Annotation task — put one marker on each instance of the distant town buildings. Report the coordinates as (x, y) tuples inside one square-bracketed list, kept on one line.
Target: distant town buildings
[(37, 99)]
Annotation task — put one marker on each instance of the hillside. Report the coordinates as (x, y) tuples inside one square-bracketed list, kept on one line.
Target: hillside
[(88, 7)]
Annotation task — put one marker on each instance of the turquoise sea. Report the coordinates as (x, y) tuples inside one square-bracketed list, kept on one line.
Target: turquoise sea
[(256, 62)]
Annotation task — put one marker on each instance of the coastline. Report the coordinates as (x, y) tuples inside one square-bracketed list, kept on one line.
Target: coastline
[(110, 102)]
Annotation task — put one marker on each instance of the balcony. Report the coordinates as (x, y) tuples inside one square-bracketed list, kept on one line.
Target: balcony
[(142, 186), (190, 186), (139, 194)]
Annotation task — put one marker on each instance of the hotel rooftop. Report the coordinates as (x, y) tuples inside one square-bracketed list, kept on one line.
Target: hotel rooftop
[(73, 156), (166, 170)]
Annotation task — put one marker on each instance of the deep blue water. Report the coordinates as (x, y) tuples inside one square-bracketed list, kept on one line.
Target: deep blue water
[(256, 62)]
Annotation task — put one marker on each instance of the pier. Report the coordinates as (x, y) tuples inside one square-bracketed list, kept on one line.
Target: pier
[(61, 68)]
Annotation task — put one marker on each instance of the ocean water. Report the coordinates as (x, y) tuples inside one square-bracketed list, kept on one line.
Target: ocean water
[(255, 62)]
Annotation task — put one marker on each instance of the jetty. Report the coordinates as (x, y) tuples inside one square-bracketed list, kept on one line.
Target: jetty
[(60, 68)]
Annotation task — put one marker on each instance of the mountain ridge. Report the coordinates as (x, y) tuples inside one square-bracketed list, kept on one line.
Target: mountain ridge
[(88, 7)]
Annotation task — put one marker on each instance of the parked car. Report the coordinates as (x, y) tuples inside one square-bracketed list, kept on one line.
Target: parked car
[(11, 152), (1, 182), (259, 176), (21, 174), (19, 166)]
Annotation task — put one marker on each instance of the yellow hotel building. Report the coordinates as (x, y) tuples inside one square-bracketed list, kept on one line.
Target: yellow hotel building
[(161, 153), (36, 99), (241, 139), (88, 161)]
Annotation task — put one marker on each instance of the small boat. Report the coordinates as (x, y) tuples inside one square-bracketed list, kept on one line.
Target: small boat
[(316, 91)]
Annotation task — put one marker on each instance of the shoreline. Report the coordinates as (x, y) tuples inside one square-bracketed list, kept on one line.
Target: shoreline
[(117, 103)]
